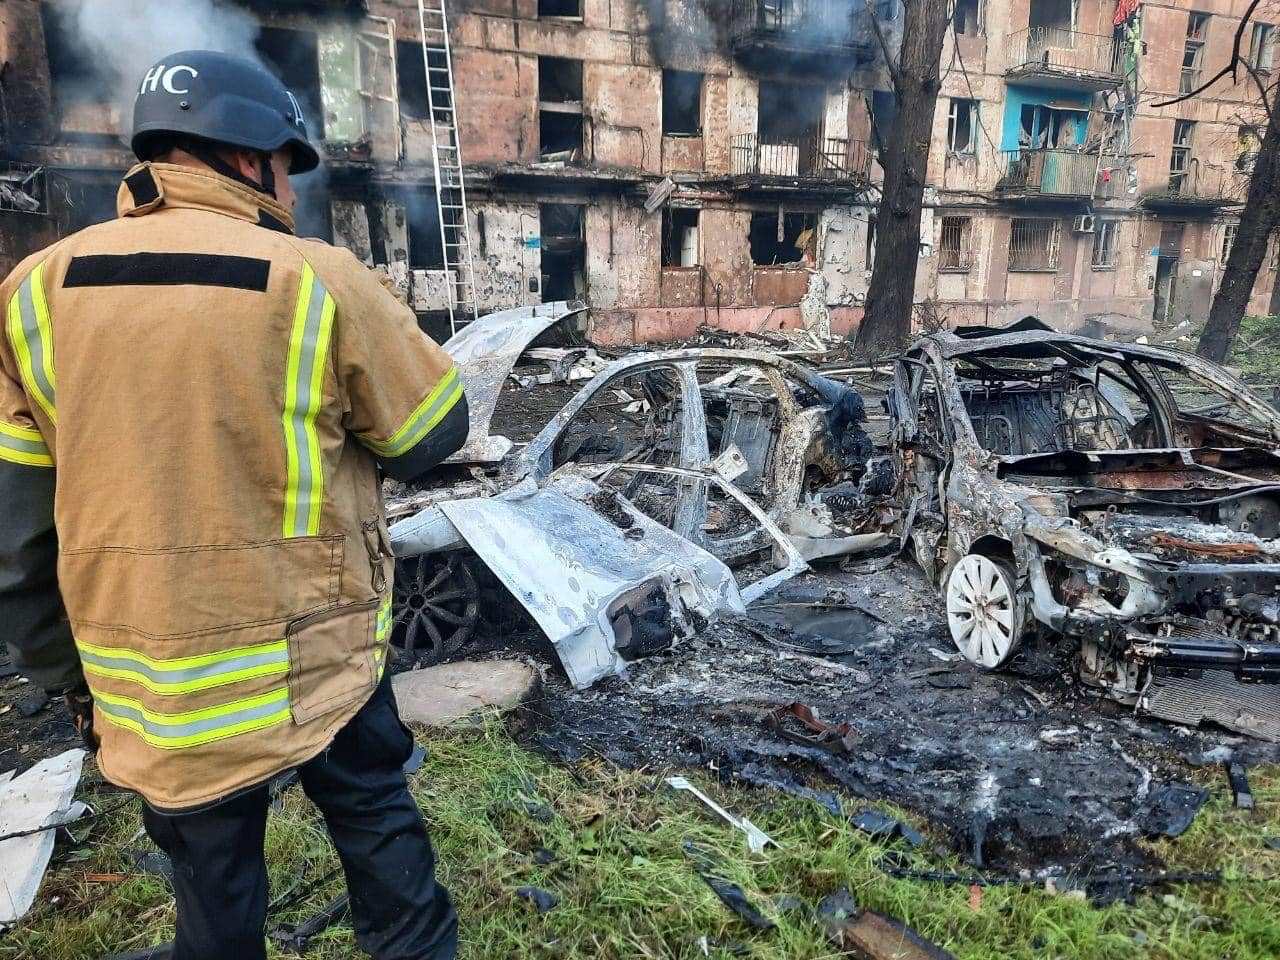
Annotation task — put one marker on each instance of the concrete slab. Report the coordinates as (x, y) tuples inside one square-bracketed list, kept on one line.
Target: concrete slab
[(438, 696)]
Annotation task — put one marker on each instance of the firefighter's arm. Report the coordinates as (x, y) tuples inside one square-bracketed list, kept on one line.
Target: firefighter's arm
[(33, 622), (405, 401)]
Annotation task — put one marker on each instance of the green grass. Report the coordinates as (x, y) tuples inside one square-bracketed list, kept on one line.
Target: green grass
[(627, 887), (1256, 350)]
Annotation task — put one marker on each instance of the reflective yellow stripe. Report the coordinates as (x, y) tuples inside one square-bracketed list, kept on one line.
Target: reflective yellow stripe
[(443, 398), (20, 445), (171, 731), (186, 674), (31, 336), (384, 619), (304, 397)]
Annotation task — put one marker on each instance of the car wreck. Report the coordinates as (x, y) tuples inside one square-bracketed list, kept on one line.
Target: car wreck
[(674, 486), (1121, 497)]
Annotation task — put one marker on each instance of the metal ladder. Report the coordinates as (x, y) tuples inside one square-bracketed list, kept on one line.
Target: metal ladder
[(451, 196)]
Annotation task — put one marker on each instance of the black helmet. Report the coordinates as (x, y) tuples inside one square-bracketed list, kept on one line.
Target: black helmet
[(208, 96)]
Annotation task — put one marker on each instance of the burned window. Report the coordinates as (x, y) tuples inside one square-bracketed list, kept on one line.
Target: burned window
[(1209, 414), (560, 8), (75, 76), (560, 122), (559, 80), (1193, 51), (679, 237), (780, 237), (1104, 244), (1033, 244), (962, 124), (1184, 132), (870, 254), (1228, 239), (967, 17), (411, 80), (634, 418), (564, 251), (294, 56), (681, 103), (24, 188), (953, 251), (1248, 143), (1052, 15), (1262, 42)]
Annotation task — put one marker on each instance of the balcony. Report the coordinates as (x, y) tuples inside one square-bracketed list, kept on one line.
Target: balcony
[(832, 159), (1199, 187), (1052, 174), (1068, 59), (809, 36)]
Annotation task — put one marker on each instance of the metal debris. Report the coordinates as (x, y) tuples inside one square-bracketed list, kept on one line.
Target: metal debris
[(757, 839)]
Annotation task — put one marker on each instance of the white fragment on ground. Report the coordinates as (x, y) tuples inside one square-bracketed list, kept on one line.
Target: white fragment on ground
[(757, 839), (38, 798)]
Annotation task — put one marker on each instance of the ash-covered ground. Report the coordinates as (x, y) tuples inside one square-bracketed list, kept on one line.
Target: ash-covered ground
[(1025, 769)]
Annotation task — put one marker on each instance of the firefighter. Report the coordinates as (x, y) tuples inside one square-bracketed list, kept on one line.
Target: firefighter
[(194, 408)]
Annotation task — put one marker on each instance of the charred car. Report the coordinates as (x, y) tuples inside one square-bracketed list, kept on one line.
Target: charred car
[(1119, 497)]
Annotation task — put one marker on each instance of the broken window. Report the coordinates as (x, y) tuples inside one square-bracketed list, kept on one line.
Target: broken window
[(679, 237), (962, 123), (1057, 15), (1104, 244), (1228, 239), (74, 75), (1193, 51), (1051, 127), (560, 8), (1180, 158), (787, 128), (967, 17), (779, 237), (294, 56), (1262, 43), (681, 103), (1248, 143), (1033, 244), (560, 122), (425, 249), (634, 418), (24, 188), (559, 80), (871, 242), (953, 251), (564, 251), (412, 79)]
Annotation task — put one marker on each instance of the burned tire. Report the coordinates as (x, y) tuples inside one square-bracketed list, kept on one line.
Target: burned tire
[(435, 606), (984, 611)]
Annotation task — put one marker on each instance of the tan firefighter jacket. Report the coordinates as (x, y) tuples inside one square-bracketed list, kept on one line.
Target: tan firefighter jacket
[(211, 396)]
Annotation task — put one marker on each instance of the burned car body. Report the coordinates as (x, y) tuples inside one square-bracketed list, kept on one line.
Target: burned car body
[(720, 449), (1122, 496)]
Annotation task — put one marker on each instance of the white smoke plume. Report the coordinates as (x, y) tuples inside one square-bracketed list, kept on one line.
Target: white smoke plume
[(123, 38)]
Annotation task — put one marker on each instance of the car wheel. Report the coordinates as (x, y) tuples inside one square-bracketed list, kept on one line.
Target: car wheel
[(984, 611), (435, 606)]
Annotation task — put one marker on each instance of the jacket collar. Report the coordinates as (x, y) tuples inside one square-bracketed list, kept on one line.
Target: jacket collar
[(150, 186)]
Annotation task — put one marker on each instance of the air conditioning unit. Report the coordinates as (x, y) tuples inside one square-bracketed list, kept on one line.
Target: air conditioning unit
[(1083, 223)]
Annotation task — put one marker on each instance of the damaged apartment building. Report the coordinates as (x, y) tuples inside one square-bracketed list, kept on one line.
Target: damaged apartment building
[(681, 163)]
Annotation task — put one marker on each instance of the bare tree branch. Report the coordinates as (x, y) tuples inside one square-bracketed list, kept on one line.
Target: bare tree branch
[(1228, 71), (884, 43)]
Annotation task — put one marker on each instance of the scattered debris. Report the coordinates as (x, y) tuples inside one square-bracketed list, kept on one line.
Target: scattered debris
[(443, 694), (757, 839), (544, 901), (870, 935), (837, 739), (1241, 794), (882, 825), (730, 894), (29, 805), (297, 938), (33, 703), (1171, 809)]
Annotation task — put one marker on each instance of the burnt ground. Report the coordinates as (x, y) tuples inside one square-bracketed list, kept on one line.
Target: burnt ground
[(1024, 769), (31, 727)]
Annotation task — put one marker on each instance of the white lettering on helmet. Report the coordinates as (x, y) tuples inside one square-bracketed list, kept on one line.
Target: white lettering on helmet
[(172, 73), (297, 108), (152, 80)]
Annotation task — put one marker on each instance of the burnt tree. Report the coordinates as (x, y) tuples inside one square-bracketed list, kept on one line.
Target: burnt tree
[(886, 323), (1258, 219)]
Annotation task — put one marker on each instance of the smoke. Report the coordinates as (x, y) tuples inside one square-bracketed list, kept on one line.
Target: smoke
[(118, 40)]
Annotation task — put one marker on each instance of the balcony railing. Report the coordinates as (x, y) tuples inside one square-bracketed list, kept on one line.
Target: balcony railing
[(816, 158), (1053, 173), (1066, 54), (811, 24), (1201, 185)]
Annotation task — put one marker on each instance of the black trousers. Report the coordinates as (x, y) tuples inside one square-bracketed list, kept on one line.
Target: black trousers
[(220, 871)]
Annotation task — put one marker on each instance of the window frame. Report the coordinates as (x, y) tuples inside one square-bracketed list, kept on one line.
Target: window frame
[(1053, 245), (1106, 248), (964, 248), (953, 116)]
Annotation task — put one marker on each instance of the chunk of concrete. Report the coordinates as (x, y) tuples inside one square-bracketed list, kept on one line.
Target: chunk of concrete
[(438, 696)]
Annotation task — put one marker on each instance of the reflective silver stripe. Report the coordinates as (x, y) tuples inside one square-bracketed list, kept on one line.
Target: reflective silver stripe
[(185, 730), (19, 445), (40, 365), (155, 676), (304, 397)]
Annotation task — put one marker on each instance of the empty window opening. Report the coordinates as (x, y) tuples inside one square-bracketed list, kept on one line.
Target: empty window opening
[(560, 136), (1033, 244), (1228, 239), (1052, 128), (1248, 143), (681, 103), (780, 237), (1193, 51), (1184, 133), (953, 252), (294, 56), (72, 69), (411, 79), (559, 80), (560, 8), (967, 17), (1262, 44), (1104, 244), (679, 237), (425, 250), (789, 112), (1052, 15), (870, 254), (564, 252), (962, 123)]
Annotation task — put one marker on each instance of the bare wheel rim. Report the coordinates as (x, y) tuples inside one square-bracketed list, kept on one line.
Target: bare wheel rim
[(435, 606), (982, 611)]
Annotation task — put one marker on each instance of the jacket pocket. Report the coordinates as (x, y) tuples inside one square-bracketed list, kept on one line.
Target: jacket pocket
[(331, 659), (184, 591)]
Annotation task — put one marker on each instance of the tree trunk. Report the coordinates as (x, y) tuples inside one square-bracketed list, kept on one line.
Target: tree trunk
[(1259, 218), (886, 322)]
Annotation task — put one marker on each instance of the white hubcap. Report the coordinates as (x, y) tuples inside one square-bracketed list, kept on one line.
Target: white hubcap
[(980, 611)]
